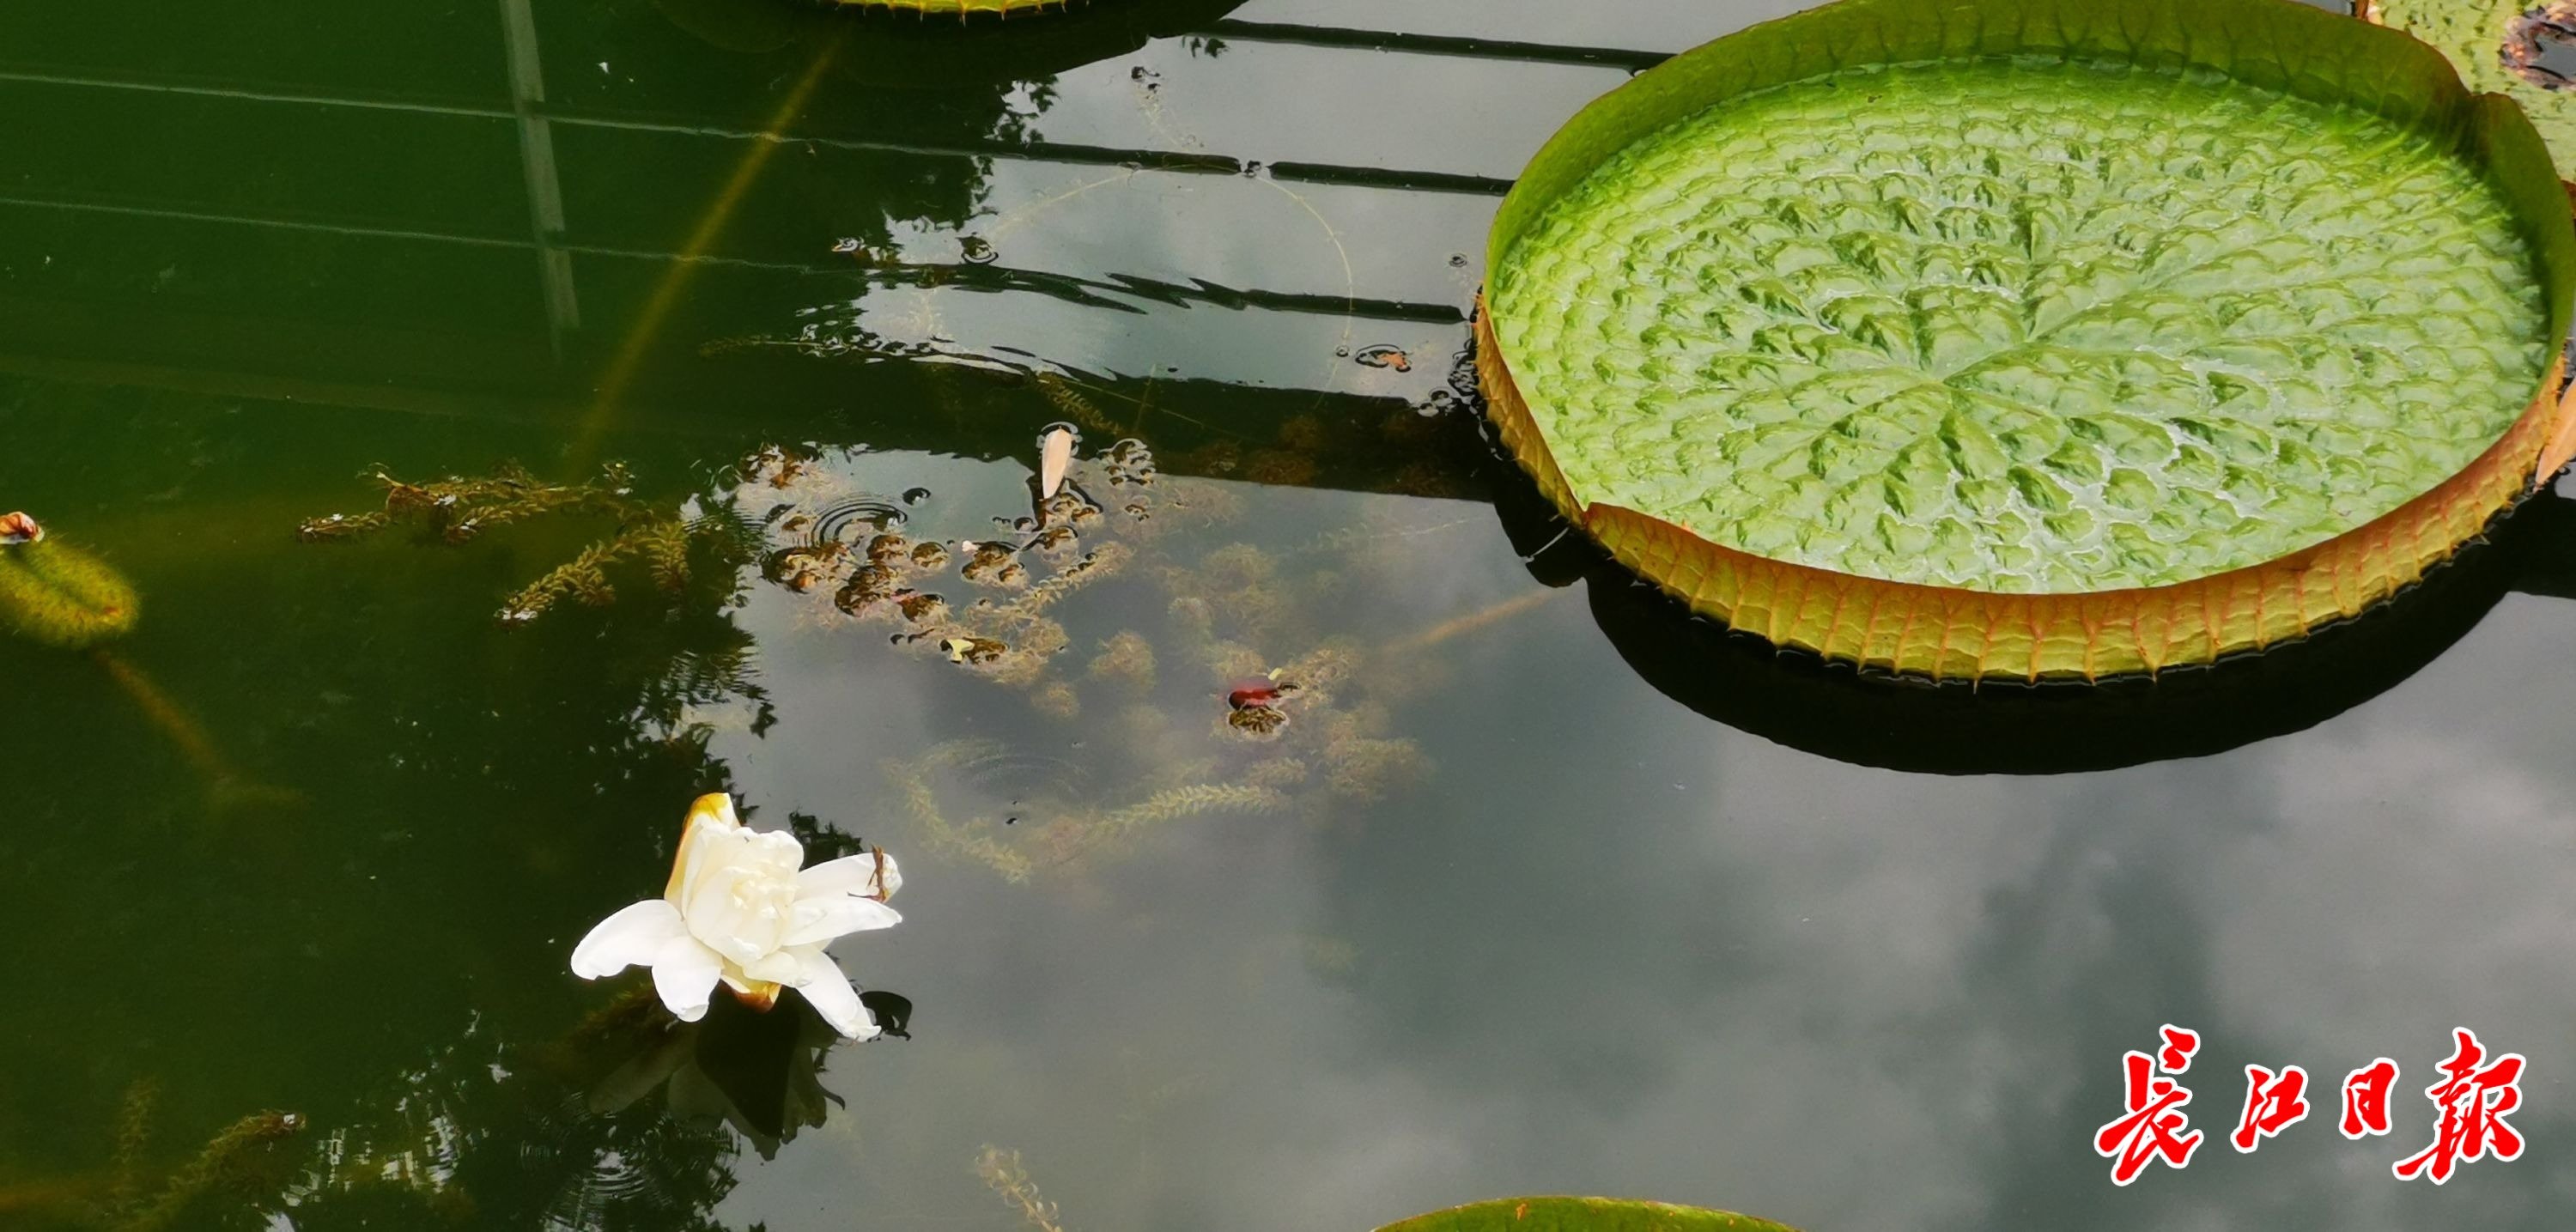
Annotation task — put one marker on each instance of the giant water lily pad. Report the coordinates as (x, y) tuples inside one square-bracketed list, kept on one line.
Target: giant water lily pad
[(2034, 338), (1581, 1215)]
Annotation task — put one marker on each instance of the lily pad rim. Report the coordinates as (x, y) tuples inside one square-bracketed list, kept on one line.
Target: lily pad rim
[(1512, 1209)]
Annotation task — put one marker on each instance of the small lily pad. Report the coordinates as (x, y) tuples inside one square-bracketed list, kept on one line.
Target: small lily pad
[(1581, 1215)]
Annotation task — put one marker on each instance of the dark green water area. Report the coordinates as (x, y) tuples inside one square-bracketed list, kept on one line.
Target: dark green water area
[(662, 360)]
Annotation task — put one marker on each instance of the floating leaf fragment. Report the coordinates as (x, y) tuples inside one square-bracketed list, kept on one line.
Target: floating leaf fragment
[(1055, 458), (17, 528)]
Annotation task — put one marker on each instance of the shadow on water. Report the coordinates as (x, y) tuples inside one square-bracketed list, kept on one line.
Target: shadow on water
[(1833, 711)]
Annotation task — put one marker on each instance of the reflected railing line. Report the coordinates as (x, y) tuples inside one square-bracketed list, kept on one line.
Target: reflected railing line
[(969, 277), (253, 220), (192, 90), (1033, 151), (1462, 46)]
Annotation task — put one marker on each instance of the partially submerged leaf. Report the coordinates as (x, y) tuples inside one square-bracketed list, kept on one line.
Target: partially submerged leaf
[(1858, 335), (2518, 48), (2560, 447), (59, 595), (1581, 1215)]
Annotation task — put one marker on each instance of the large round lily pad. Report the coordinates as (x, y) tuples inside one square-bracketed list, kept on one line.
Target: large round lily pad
[(1581, 1215), (2034, 338)]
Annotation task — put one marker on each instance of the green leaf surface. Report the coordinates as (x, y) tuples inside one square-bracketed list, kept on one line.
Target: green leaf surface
[(58, 595), (2174, 289), (2476, 35), (1581, 1215)]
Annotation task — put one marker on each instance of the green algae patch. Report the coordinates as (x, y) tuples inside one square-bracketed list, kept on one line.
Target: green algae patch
[(2023, 327), (2503, 46)]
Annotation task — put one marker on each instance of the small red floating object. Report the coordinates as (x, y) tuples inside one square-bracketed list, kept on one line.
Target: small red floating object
[(19, 528), (1254, 693)]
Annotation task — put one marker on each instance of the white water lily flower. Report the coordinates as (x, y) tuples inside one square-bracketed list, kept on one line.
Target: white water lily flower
[(739, 910)]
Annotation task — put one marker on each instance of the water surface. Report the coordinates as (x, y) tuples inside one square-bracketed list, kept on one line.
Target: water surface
[(1561, 893)]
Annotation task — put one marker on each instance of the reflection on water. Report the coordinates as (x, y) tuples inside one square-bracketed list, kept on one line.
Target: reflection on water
[(1496, 890)]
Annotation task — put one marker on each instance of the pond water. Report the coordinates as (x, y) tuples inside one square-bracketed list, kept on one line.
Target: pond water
[(1541, 888)]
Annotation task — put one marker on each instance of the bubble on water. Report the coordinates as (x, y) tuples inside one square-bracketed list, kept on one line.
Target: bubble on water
[(977, 250), (914, 496)]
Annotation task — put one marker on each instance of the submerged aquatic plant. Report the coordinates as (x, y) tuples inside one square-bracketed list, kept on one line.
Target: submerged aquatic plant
[(1002, 1172), (458, 509), (243, 1161), (739, 910)]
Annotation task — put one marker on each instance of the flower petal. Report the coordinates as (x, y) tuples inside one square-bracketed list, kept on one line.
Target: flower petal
[(685, 974), (831, 995), (710, 821), (856, 875), (632, 937), (775, 967), (818, 920)]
